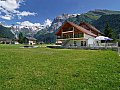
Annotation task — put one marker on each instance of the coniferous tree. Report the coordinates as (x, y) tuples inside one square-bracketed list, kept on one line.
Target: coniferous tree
[(108, 31), (21, 38)]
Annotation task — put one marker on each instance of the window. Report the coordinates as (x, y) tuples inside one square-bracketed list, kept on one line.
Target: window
[(78, 35), (83, 43), (75, 43)]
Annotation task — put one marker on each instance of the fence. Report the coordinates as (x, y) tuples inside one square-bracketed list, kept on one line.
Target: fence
[(109, 44)]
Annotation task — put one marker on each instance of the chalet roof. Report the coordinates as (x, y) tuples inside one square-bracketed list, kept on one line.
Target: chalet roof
[(90, 26), (78, 28), (31, 38)]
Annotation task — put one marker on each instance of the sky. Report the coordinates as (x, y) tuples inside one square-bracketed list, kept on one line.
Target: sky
[(42, 12)]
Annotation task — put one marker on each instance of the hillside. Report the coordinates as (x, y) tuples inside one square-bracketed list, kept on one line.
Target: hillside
[(112, 20), (26, 30), (5, 32), (92, 16), (45, 36)]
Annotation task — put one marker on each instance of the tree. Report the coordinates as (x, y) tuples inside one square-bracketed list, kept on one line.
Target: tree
[(108, 31), (21, 38)]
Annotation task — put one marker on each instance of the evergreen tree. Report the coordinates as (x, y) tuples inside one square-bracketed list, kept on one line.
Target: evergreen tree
[(21, 38), (108, 31)]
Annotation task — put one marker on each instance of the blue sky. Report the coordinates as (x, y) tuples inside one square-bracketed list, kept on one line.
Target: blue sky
[(37, 11)]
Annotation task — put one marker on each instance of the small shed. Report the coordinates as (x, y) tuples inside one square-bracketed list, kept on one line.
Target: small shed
[(30, 40)]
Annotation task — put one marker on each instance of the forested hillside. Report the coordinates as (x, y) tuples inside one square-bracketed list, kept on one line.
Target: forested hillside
[(112, 20), (46, 37), (92, 16), (5, 32)]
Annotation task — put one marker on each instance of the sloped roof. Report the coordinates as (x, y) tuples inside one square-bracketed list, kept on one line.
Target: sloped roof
[(78, 28), (90, 26)]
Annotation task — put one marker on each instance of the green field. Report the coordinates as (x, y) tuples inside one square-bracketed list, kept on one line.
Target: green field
[(58, 69)]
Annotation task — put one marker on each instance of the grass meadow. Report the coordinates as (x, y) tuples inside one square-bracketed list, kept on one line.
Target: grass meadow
[(58, 69)]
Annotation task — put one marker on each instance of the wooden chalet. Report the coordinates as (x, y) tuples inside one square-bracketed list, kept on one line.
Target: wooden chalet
[(81, 35)]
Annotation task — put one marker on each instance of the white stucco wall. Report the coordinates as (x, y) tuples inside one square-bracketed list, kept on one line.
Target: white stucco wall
[(31, 43), (90, 39), (16, 42)]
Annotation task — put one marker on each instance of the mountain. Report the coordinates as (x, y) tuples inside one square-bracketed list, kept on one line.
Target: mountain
[(59, 20), (5, 32), (113, 21), (88, 17), (26, 30), (97, 18), (45, 36), (92, 16)]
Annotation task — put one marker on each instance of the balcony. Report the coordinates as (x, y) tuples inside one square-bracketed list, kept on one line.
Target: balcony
[(68, 32), (70, 36)]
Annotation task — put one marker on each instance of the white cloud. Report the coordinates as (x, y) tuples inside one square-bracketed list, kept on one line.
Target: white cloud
[(25, 13), (6, 17), (28, 23), (8, 26), (10, 7), (48, 22)]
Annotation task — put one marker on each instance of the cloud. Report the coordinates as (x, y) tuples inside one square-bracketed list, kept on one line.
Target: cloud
[(25, 13), (28, 23), (6, 17), (10, 8), (10, 5), (47, 22)]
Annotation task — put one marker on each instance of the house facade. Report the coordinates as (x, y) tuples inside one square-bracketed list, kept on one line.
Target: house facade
[(72, 35), (30, 41), (5, 41)]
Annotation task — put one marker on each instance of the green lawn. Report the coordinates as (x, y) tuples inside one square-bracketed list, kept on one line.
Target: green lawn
[(58, 69)]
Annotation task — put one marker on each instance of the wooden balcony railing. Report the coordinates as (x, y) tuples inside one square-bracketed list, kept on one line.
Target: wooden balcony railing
[(71, 36)]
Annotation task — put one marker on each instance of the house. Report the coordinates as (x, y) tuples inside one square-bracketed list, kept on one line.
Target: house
[(82, 35), (5, 41), (30, 40)]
